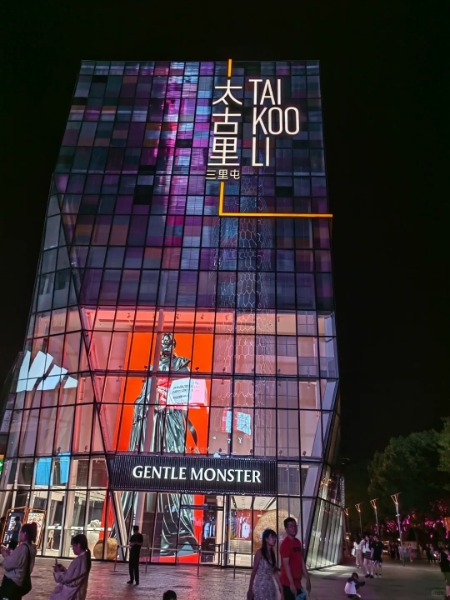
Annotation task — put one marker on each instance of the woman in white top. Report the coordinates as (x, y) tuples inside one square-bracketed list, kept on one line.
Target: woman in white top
[(358, 552), (73, 581), (18, 563)]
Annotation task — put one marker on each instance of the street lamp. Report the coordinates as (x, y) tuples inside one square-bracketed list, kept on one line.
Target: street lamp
[(358, 508), (395, 501), (373, 504), (347, 521)]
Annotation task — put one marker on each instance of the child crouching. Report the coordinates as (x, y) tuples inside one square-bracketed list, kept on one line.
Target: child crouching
[(352, 586)]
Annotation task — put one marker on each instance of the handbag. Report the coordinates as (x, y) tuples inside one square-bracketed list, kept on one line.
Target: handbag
[(353, 552), (9, 589), (26, 584)]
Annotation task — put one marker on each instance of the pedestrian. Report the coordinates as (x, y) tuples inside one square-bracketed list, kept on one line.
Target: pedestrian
[(169, 595), (444, 563), (352, 586), (428, 553), (367, 556), (264, 581), (377, 555), (19, 564), (293, 567), (135, 544), (73, 581), (15, 534), (357, 544)]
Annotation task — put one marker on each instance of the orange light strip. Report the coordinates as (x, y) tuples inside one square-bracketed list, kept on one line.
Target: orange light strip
[(230, 66), (222, 213)]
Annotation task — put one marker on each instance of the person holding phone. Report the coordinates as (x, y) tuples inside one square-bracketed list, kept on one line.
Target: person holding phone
[(73, 581)]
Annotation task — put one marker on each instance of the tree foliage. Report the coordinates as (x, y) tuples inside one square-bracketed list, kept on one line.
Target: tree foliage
[(444, 449), (409, 465)]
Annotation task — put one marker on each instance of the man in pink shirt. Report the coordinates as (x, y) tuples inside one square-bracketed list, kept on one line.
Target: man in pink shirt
[(293, 567)]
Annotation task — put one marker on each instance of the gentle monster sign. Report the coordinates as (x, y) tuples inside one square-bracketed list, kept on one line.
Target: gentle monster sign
[(145, 472)]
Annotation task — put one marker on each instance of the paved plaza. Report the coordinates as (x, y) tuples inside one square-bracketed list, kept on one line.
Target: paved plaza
[(410, 582)]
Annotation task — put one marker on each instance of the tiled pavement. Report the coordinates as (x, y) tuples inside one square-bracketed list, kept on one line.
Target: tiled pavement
[(410, 582)]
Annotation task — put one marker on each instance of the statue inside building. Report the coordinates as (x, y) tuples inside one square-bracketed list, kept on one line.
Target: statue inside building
[(166, 433)]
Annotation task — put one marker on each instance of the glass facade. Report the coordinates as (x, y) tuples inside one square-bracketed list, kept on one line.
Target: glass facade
[(180, 367)]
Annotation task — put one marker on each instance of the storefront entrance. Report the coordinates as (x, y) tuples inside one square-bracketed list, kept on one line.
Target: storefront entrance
[(206, 529)]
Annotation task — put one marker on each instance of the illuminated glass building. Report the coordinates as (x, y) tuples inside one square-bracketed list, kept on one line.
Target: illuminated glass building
[(180, 366)]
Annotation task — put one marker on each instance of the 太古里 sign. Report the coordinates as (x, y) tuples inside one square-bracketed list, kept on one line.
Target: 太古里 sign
[(249, 114), (269, 119)]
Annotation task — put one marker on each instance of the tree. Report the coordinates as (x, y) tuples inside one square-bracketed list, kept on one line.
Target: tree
[(409, 465), (444, 449)]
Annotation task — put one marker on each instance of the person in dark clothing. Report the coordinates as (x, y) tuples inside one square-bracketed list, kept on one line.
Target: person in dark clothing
[(136, 541), (377, 555), (444, 563)]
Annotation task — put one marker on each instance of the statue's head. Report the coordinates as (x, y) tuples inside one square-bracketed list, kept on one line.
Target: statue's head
[(168, 343)]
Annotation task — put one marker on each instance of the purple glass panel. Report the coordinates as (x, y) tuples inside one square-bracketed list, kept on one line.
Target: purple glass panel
[(324, 291), (61, 183), (114, 257), (304, 261), (110, 184), (137, 231), (305, 291), (152, 258), (93, 184), (91, 286), (87, 134), (76, 184), (187, 288), (321, 234), (124, 204), (71, 134), (285, 291), (179, 185), (318, 186), (148, 288), (110, 286), (129, 287), (155, 231)]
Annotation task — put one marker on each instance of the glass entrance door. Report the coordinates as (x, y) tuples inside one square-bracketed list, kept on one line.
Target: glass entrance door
[(247, 519)]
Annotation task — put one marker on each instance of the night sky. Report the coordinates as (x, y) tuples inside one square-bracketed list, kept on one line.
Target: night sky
[(385, 91)]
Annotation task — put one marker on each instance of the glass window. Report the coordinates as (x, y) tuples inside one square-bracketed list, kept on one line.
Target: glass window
[(46, 431)]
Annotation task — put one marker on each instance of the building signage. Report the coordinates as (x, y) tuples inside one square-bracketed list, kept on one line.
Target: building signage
[(192, 474), (270, 118), (253, 120)]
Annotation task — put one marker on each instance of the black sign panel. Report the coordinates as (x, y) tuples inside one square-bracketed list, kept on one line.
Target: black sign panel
[(192, 474), (11, 522)]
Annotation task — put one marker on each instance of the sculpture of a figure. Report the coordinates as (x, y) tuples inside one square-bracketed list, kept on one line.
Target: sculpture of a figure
[(168, 429)]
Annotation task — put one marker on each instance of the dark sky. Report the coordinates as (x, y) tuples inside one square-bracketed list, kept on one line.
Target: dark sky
[(385, 88)]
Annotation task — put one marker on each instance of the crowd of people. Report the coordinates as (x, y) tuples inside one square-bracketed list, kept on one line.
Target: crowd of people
[(368, 554), (268, 581)]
